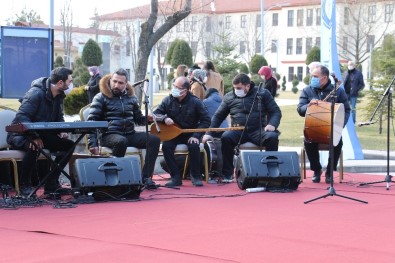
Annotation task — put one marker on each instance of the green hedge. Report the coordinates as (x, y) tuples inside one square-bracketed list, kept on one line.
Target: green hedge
[(75, 100)]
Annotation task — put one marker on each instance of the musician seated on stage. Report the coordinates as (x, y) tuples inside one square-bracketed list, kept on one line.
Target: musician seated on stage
[(187, 111), (116, 103), (242, 104), (319, 89), (42, 103)]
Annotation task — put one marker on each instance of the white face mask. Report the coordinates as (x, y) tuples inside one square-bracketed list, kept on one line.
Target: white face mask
[(240, 93), (91, 73), (205, 79), (176, 93), (351, 67)]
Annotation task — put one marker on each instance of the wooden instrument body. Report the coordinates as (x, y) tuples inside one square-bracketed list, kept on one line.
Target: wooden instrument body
[(168, 132), (317, 126)]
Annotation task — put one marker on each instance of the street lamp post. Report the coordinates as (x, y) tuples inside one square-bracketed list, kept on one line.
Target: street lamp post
[(262, 28), (263, 21)]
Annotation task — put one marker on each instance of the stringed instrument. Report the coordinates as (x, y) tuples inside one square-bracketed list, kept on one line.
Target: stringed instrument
[(168, 132)]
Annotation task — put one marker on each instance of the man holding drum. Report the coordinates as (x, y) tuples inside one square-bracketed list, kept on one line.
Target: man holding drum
[(319, 90)]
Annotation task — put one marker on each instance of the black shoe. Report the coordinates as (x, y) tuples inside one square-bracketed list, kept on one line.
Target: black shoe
[(55, 189), (317, 177), (26, 190), (197, 180), (149, 184), (175, 181)]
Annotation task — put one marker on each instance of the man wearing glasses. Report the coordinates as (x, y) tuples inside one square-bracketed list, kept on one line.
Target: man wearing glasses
[(187, 111), (117, 104)]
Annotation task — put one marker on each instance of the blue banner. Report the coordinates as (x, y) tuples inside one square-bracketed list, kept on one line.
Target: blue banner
[(351, 147)]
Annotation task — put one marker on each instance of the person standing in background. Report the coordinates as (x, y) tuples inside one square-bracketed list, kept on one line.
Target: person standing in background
[(353, 83), (198, 79), (92, 88), (214, 79), (270, 82)]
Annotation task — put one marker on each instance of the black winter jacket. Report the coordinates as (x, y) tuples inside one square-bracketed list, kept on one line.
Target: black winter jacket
[(122, 113), (93, 85), (38, 105), (239, 109), (309, 93), (190, 113)]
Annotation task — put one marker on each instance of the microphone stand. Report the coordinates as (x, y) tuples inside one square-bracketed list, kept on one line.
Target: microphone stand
[(332, 191), (388, 93)]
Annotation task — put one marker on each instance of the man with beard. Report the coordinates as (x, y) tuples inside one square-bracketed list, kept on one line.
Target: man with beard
[(117, 104), (43, 103)]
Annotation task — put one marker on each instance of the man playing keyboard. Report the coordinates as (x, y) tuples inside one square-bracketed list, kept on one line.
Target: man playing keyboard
[(42, 103)]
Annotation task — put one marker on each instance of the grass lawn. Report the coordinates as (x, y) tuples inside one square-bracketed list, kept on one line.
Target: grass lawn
[(292, 124)]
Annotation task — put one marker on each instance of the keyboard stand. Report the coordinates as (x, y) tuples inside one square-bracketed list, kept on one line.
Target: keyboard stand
[(55, 166)]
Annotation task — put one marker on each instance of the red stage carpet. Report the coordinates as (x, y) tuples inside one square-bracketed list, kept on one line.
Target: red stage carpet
[(214, 223)]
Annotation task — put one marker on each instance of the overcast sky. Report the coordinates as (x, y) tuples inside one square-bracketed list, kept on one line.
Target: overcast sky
[(82, 9)]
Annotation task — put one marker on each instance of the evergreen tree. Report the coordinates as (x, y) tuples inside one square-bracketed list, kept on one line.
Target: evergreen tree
[(92, 54), (59, 62), (80, 73), (182, 54), (313, 55), (257, 61)]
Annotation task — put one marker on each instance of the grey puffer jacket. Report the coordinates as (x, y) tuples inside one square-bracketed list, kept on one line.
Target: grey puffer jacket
[(38, 105), (240, 107), (121, 113)]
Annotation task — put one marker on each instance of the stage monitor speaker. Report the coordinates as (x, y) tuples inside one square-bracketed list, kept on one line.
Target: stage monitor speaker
[(109, 177), (272, 170)]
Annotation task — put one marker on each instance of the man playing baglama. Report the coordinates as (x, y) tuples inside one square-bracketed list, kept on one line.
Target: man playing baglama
[(188, 112), (319, 88), (242, 103)]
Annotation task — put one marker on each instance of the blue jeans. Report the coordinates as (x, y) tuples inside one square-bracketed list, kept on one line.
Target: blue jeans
[(353, 102)]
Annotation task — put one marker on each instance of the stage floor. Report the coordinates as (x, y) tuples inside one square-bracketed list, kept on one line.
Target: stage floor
[(213, 223)]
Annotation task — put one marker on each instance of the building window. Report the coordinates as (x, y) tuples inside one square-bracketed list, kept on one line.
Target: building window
[(299, 17), (345, 44), (290, 18), (371, 13), (299, 46), (194, 23), (187, 24), (369, 42), (290, 74), (243, 21), (309, 44), (208, 49), (258, 20), (318, 16), (178, 27), (300, 73), (128, 44), (275, 19), (318, 42), (258, 46), (274, 46), (242, 47), (289, 46), (389, 13), (309, 17), (162, 48), (346, 16), (208, 24), (194, 46), (227, 22)]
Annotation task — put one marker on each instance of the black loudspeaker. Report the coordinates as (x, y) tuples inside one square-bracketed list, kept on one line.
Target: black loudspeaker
[(109, 178), (272, 170)]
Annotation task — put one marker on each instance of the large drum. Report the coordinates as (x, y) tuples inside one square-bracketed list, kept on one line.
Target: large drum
[(317, 125)]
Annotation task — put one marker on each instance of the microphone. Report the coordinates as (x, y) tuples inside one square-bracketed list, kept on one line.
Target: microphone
[(139, 82), (364, 123), (334, 77)]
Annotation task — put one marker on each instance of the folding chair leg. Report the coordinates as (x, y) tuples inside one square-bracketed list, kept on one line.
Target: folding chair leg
[(184, 173), (341, 167)]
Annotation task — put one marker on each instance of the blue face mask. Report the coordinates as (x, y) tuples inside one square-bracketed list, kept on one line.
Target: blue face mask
[(315, 82), (176, 92)]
